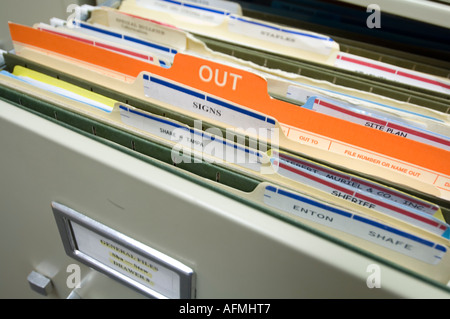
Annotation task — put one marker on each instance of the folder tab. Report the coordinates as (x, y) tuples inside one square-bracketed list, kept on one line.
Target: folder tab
[(62, 88), (371, 230), (355, 63), (363, 192), (217, 22)]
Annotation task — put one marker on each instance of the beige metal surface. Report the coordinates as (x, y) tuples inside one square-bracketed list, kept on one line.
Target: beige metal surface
[(236, 251), (29, 12)]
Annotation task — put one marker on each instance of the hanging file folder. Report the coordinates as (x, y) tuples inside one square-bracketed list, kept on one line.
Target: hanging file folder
[(418, 161), (270, 165), (390, 239)]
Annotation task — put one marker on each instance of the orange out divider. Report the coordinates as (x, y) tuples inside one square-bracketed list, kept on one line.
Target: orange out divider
[(246, 89)]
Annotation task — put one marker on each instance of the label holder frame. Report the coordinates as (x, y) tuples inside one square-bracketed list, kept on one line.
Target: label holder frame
[(64, 216)]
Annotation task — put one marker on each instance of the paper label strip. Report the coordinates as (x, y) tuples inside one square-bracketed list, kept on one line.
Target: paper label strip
[(303, 92), (359, 226), (131, 39), (194, 139), (111, 47), (61, 88), (198, 12), (225, 5), (141, 28), (207, 105), (252, 28), (281, 36), (134, 46), (367, 66)]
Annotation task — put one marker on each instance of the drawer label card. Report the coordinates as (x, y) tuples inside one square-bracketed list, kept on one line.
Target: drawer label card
[(120, 257)]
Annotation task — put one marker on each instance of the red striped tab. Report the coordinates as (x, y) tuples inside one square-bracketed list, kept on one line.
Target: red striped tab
[(103, 45), (391, 72), (362, 192)]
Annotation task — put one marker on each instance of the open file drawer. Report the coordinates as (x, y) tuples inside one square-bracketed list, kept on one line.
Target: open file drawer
[(233, 249)]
